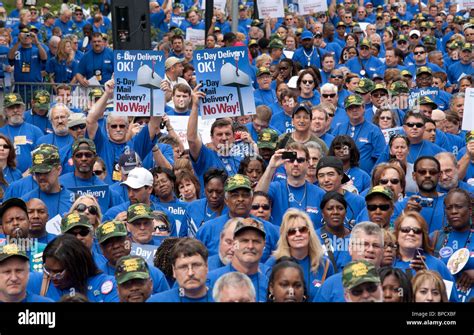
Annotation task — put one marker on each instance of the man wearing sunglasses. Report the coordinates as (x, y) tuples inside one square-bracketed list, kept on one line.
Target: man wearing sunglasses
[(361, 282), (307, 54), (424, 83), (76, 124)]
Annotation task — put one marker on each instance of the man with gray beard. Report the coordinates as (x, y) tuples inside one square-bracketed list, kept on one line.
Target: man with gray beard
[(60, 137), (449, 176)]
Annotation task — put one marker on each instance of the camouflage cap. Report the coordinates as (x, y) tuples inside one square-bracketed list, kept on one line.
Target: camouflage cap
[(381, 190), (268, 138), (256, 23), (33, 28), (139, 211), (426, 100), (365, 86), (394, 18), (12, 250), (41, 99), (359, 272), (131, 267), (237, 181), (263, 70), (12, 99), (96, 92), (402, 38), (276, 43), (423, 69), (426, 24), (83, 143), (353, 100), (379, 87), (470, 136), (110, 229), (429, 40), (398, 87), (404, 73), (365, 42), (47, 5), (466, 47), (73, 220), (341, 24), (48, 16), (404, 23), (45, 159), (253, 42), (249, 223), (453, 45), (458, 19), (242, 7)]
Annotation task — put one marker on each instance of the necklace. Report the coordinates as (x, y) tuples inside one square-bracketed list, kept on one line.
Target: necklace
[(308, 57), (291, 196)]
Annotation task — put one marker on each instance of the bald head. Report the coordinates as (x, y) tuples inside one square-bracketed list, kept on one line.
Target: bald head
[(38, 216)]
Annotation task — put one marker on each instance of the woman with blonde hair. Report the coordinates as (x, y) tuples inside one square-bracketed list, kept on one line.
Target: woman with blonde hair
[(89, 206), (428, 286), (299, 241), (63, 67)]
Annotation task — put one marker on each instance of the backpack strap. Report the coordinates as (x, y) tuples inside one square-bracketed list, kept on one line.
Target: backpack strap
[(326, 268), (327, 243), (438, 240), (44, 285)]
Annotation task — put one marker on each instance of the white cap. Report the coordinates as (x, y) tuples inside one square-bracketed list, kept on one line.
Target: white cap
[(414, 31), (138, 178), (292, 83)]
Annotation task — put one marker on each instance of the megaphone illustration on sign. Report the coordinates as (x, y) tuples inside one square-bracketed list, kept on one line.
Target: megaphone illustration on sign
[(147, 77), (233, 77)]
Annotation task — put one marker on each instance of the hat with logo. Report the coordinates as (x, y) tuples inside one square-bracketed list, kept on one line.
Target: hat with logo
[(353, 100), (426, 100), (139, 211), (172, 61), (128, 161), (48, 16), (359, 272), (394, 18), (402, 38), (256, 23), (237, 181), (357, 30), (12, 202), (83, 143), (302, 107), (74, 220), (131, 267), (429, 40), (404, 23), (47, 5), (268, 138), (341, 24), (423, 69), (75, 119), (12, 99), (253, 42), (41, 99), (404, 73), (365, 42), (276, 43), (453, 45), (466, 47), (263, 70), (12, 250), (249, 224), (96, 92), (379, 87), (45, 158), (458, 19), (110, 229), (333, 162), (138, 178), (242, 7), (380, 190), (365, 86), (398, 87)]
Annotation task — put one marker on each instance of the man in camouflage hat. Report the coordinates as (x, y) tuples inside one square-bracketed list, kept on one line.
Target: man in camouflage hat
[(38, 114), (364, 88), (424, 80), (133, 279), (380, 99), (46, 169), (426, 106), (361, 282), (365, 65), (264, 95), (464, 67), (380, 205), (399, 91), (140, 223), (276, 47), (23, 135), (267, 143)]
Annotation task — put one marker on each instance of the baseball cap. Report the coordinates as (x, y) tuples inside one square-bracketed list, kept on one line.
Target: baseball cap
[(425, 100), (334, 162), (73, 220), (128, 161), (110, 229), (365, 86), (249, 223), (48, 16), (253, 42), (237, 181), (276, 44), (139, 211), (365, 42), (75, 119), (470, 136), (12, 99), (359, 272), (423, 69), (353, 100), (381, 190), (402, 38), (41, 99), (429, 40), (306, 35), (256, 23), (12, 250), (466, 47), (414, 32), (84, 144), (12, 202), (262, 70), (171, 61), (96, 92), (138, 178), (131, 267), (268, 138), (404, 73), (45, 158), (341, 24), (398, 87), (229, 37), (379, 87), (303, 107)]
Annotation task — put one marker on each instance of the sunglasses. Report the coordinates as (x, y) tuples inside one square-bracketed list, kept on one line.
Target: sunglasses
[(418, 53), (336, 76), (415, 37), (308, 82), (423, 29), (393, 181), (385, 118), (414, 124), (299, 160), (5, 146), (98, 172), (430, 172), (364, 47), (370, 288), (406, 230), (379, 95), (301, 230), (373, 208), (332, 95), (79, 155), (115, 126), (91, 209), (78, 126), (265, 207), (83, 231), (402, 42), (161, 228), (330, 114)]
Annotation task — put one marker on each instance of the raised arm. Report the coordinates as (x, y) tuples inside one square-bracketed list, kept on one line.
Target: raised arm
[(97, 110), (194, 140), (266, 179)]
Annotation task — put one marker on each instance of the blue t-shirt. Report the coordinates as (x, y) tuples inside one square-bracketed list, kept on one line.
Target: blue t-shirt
[(59, 141), (214, 262), (56, 203), (42, 122), (360, 178), (197, 213), (174, 295), (178, 209), (282, 123), (339, 248), (31, 297), (93, 63), (61, 71), (370, 66), (331, 290), (20, 187), (307, 57), (28, 65)]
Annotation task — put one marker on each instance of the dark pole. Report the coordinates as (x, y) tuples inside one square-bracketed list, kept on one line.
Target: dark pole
[(255, 10), (209, 14)]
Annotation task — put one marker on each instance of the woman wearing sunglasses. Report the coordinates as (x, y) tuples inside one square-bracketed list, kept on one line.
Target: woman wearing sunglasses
[(415, 252), (68, 268), (391, 176), (298, 240), (88, 205), (308, 84), (261, 206)]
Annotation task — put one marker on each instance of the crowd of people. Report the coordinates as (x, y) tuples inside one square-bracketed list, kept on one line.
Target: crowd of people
[(352, 182)]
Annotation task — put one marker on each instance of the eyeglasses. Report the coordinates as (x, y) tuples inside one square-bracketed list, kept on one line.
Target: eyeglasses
[(379, 95), (265, 207), (308, 82), (115, 126), (393, 181), (330, 114), (369, 288), (299, 160), (414, 37), (430, 172), (408, 229), (161, 228), (373, 208), (414, 124), (301, 230), (418, 53), (83, 231), (402, 42), (385, 118), (423, 29), (91, 209), (364, 47), (5, 146), (194, 267), (331, 95), (55, 275), (333, 76), (78, 126), (98, 172), (79, 155), (390, 245)]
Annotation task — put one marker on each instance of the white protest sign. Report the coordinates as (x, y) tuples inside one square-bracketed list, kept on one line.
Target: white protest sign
[(387, 133), (53, 226), (465, 4), (307, 7), (219, 4), (468, 118), (180, 125), (271, 8), (196, 36)]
